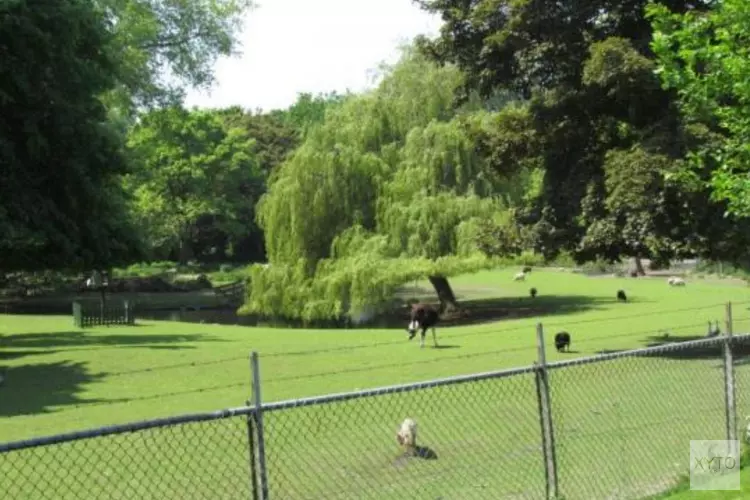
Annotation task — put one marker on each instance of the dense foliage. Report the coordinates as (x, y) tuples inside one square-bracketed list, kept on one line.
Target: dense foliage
[(74, 73), (604, 130), (389, 187), (612, 139), (59, 156), (705, 57)]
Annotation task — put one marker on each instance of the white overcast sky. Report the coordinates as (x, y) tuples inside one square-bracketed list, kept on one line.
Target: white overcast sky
[(292, 46)]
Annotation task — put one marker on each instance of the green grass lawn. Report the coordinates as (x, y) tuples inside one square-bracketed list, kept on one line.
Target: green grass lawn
[(486, 434), (683, 491)]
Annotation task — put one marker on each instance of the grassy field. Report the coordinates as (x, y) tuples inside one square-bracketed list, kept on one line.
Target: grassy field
[(683, 492), (485, 434)]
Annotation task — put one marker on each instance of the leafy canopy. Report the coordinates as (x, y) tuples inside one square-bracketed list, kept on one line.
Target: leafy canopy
[(191, 164), (388, 187), (165, 46), (705, 57), (61, 204)]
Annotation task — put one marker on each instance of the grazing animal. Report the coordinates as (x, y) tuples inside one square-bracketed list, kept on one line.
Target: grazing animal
[(423, 316), (562, 341), (675, 281), (527, 269), (532, 292), (621, 296), (713, 331), (519, 277), (633, 274), (407, 436)]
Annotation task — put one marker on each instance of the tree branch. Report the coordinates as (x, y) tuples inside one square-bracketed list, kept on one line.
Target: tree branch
[(167, 43)]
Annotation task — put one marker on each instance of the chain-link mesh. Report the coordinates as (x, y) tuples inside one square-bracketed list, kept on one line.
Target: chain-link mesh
[(622, 427), (741, 364), (479, 439), (208, 459)]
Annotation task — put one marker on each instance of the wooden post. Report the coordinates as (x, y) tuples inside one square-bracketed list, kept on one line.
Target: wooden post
[(545, 414)]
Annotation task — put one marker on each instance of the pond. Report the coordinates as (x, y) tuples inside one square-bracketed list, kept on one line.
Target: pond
[(230, 317), (208, 315), (189, 315)]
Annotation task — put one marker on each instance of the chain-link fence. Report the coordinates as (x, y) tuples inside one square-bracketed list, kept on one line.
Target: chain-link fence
[(194, 456), (615, 425), (478, 437), (623, 422)]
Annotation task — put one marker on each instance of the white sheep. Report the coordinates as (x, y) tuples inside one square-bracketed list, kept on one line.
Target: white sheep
[(407, 436), (520, 277), (675, 281)]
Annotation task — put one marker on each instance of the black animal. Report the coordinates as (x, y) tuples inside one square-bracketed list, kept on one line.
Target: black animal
[(532, 292), (621, 296), (562, 341), (527, 269), (423, 316)]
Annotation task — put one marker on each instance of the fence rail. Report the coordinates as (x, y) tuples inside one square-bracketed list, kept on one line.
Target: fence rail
[(616, 425), (232, 291)]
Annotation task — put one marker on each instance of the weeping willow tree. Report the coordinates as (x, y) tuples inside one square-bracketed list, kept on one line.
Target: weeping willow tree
[(389, 188)]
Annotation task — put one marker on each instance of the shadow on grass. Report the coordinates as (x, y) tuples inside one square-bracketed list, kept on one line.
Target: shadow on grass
[(446, 346), (673, 350), (474, 312), (488, 310), (6, 355), (80, 339), (37, 388), (421, 452)]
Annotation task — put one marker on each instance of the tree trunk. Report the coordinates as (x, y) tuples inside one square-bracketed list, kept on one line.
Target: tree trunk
[(639, 267), (186, 251), (444, 292)]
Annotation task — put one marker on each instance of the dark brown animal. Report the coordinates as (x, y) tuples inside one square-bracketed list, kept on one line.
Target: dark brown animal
[(423, 317)]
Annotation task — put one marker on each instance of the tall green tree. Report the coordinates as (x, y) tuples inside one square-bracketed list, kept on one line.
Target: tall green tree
[(705, 57), (309, 110), (587, 73), (163, 47), (188, 165), (274, 140), (61, 204), (389, 186), (332, 180)]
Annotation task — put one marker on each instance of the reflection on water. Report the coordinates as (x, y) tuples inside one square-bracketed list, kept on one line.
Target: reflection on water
[(223, 316), (211, 316)]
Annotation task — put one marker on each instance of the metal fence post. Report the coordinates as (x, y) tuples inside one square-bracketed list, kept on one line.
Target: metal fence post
[(251, 444), (729, 382), (258, 417), (545, 415), (253, 462)]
